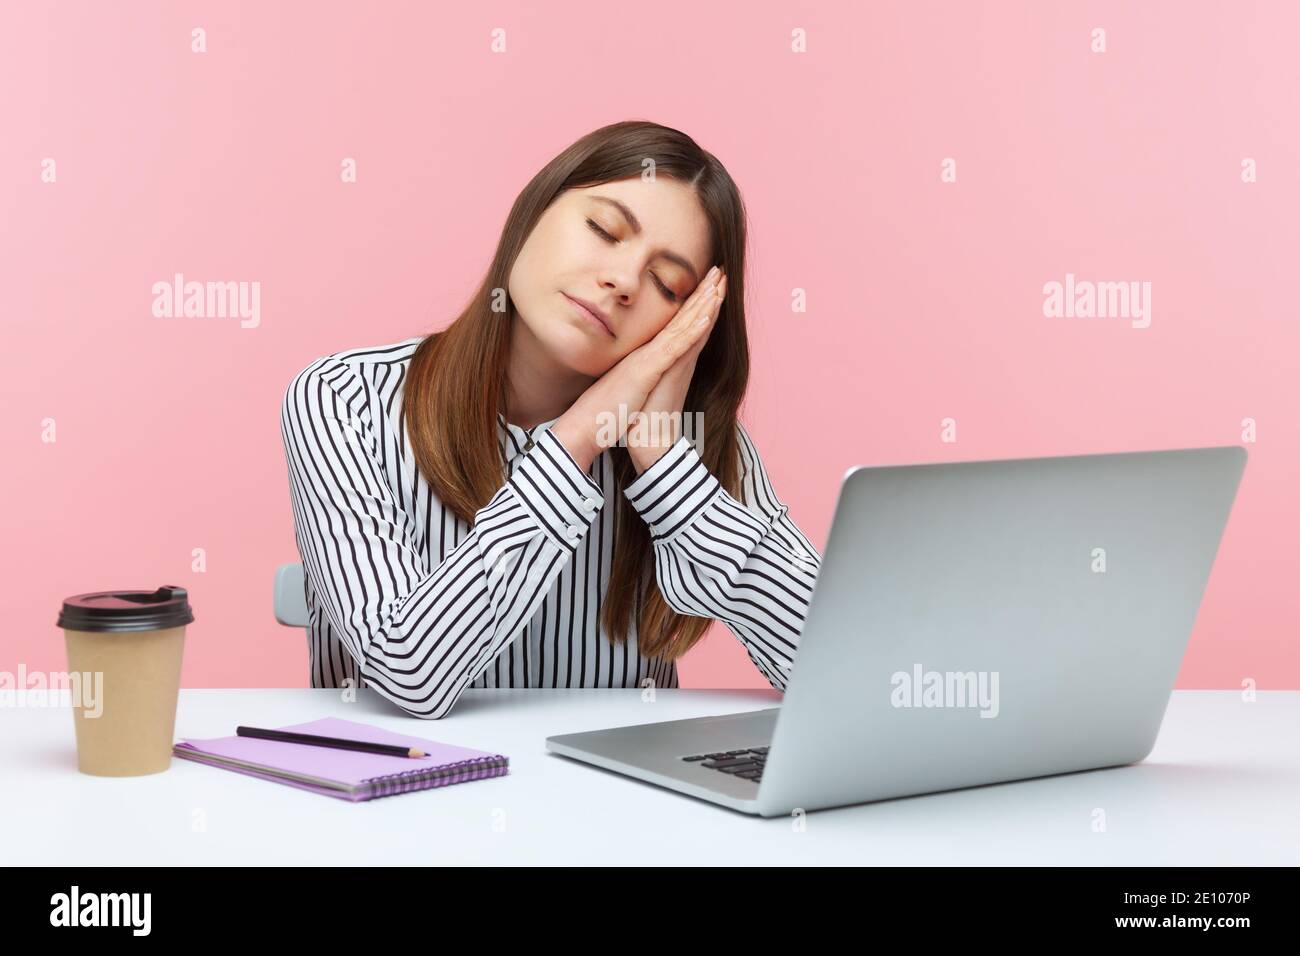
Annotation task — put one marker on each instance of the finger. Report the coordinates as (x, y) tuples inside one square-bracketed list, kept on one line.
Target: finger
[(711, 309), (684, 328), (711, 279), (690, 308), (700, 321), (682, 351), (686, 360)]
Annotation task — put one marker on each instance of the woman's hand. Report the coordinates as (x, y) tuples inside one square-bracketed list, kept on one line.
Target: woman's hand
[(658, 426), (594, 422)]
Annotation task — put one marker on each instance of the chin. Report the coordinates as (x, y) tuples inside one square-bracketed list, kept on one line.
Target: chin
[(573, 350), (587, 361)]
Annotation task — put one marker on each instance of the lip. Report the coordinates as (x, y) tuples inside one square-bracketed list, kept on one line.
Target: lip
[(593, 313)]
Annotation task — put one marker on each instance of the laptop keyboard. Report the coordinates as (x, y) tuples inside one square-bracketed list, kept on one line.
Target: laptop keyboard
[(746, 764)]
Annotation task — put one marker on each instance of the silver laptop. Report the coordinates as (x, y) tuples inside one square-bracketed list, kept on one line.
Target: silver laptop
[(972, 623)]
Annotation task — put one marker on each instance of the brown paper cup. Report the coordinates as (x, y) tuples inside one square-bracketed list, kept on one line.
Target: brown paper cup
[(129, 646)]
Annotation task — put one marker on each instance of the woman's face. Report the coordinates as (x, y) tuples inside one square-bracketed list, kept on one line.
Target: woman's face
[(634, 250)]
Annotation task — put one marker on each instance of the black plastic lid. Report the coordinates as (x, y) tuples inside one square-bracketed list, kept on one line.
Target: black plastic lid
[(114, 612)]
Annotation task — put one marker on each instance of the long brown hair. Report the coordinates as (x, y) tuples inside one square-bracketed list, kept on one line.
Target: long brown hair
[(455, 383)]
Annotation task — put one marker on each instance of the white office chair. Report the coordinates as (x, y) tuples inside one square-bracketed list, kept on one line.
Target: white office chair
[(290, 596)]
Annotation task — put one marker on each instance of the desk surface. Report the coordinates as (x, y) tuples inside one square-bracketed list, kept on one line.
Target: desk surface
[(1221, 787)]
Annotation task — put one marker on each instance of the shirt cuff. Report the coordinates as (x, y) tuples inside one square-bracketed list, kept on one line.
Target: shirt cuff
[(556, 491), (673, 491)]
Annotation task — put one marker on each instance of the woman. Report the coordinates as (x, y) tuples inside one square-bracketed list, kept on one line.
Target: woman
[(555, 490)]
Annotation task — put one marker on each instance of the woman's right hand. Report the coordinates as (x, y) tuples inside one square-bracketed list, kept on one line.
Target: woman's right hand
[(594, 422)]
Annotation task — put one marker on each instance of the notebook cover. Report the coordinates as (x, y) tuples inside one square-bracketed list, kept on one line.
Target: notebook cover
[(366, 776)]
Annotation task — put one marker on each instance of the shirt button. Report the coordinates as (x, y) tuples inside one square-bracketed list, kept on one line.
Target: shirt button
[(528, 445), (572, 532), (589, 505)]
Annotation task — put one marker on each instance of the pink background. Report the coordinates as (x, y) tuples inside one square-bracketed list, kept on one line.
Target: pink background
[(924, 298)]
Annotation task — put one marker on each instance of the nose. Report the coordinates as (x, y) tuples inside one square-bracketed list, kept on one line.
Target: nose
[(619, 281)]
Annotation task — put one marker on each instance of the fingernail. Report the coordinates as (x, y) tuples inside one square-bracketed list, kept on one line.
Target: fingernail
[(713, 274)]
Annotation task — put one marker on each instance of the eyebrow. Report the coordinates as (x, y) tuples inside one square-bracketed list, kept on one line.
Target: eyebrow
[(635, 223)]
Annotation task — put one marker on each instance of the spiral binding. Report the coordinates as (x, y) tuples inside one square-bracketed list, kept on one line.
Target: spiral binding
[(474, 768)]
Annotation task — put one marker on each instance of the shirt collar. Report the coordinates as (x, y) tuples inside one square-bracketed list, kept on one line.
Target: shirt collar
[(515, 438)]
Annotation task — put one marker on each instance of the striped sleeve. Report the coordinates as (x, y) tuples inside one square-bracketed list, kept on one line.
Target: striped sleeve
[(746, 564), (420, 635)]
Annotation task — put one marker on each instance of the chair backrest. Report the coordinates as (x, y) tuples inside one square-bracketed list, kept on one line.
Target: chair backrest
[(290, 596)]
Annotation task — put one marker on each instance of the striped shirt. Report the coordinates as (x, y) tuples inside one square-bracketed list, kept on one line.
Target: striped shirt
[(406, 598)]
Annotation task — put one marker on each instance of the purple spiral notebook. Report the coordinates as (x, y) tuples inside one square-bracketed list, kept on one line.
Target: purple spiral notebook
[(347, 774)]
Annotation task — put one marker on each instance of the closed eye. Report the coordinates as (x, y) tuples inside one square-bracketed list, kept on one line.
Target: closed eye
[(668, 293)]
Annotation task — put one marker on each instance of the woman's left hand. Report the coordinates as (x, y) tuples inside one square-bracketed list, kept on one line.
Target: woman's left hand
[(656, 428)]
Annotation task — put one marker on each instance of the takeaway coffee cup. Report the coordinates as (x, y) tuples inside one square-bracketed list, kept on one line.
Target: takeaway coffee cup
[(127, 645)]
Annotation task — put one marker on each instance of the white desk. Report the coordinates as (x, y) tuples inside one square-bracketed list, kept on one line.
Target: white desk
[(1221, 787)]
